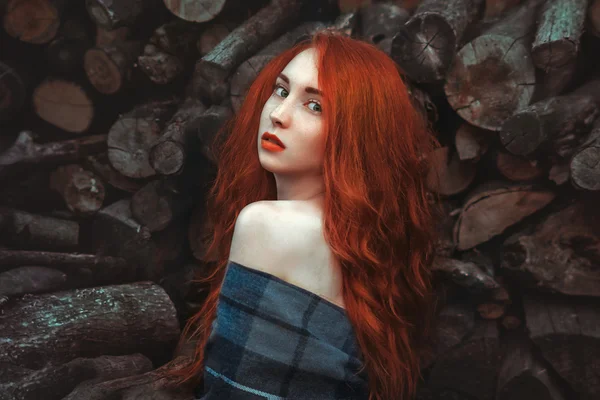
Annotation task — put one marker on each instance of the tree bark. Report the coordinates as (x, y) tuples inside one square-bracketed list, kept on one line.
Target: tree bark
[(28, 280), (585, 163)]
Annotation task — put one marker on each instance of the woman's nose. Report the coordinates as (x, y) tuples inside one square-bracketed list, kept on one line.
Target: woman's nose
[(281, 114)]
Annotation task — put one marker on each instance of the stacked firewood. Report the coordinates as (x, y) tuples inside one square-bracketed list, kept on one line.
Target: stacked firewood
[(107, 113)]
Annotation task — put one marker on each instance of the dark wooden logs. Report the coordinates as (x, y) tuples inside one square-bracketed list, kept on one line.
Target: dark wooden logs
[(567, 332), (195, 10), (559, 28), (494, 8), (100, 165), (65, 52), (466, 274), (555, 125), (119, 319), (212, 36), (65, 104), (584, 165), (471, 142), (448, 175), (82, 191), (105, 37), (132, 135), (523, 374), (593, 20), (109, 67), (13, 91), (33, 21), (493, 75), (256, 32), (112, 14), (208, 125), (488, 212), (29, 280), (560, 255), (426, 46), (167, 156), (381, 21), (517, 169), (24, 230)]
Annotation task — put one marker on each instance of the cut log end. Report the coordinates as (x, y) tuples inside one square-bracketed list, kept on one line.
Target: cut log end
[(32, 21), (167, 158), (522, 134), (64, 104), (102, 71), (195, 10), (99, 14), (554, 54), (585, 169)]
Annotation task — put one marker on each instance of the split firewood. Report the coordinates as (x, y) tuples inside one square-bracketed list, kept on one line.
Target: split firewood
[(33, 21), (62, 379), (454, 322), (65, 104), (465, 274), (381, 21), (426, 45), (118, 319), (560, 255), (522, 367), (245, 40), (21, 229), (494, 8), (25, 151), (555, 125), (493, 76), (155, 206), (247, 72), (593, 19), (471, 366), (488, 212), (100, 165), (207, 127), (65, 262), (167, 156), (558, 32), (65, 52), (109, 68), (133, 134), (105, 37), (171, 49), (29, 280), (584, 166), (82, 190), (567, 332), (471, 142), (13, 91), (111, 14), (517, 169), (448, 175)]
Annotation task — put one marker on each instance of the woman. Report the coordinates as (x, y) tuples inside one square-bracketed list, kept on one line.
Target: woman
[(322, 234)]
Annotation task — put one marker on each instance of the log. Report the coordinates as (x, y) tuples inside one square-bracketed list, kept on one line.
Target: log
[(112, 14), (167, 156), (511, 322), (559, 173), (381, 21), (155, 206), (487, 213), (33, 21), (115, 320), (523, 373), (426, 45), (593, 19), (64, 104), (245, 40), (470, 367), (24, 230), (567, 333), (13, 91), (196, 10), (207, 126), (494, 8), (471, 142), (65, 262), (247, 72), (58, 381), (465, 274), (109, 68), (65, 52), (82, 191), (132, 135), (493, 76), (31, 280), (423, 102), (100, 165), (212, 36), (491, 310), (447, 174), (555, 126), (584, 166), (559, 255), (517, 169), (105, 37), (554, 80), (558, 32)]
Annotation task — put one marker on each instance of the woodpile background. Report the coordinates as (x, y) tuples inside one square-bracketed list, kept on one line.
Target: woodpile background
[(106, 112)]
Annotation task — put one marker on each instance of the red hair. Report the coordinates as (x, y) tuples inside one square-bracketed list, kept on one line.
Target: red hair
[(379, 219)]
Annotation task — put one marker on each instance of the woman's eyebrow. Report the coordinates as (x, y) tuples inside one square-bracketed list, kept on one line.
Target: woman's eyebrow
[(308, 89)]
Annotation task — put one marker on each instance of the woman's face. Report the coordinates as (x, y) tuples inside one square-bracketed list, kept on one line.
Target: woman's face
[(293, 114)]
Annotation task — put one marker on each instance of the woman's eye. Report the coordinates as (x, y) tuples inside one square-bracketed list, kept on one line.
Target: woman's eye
[(318, 108), (279, 87)]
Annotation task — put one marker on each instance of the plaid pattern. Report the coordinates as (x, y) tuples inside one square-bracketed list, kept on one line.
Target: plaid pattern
[(274, 340)]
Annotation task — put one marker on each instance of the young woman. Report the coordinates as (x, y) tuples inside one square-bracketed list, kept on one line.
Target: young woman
[(322, 232)]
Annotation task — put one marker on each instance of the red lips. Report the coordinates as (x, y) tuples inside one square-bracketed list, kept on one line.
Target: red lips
[(273, 138)]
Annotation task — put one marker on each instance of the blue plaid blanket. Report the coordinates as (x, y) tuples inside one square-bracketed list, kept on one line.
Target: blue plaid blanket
[(274, 340)]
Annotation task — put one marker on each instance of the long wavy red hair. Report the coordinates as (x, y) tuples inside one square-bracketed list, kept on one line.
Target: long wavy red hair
[(379, 219)]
